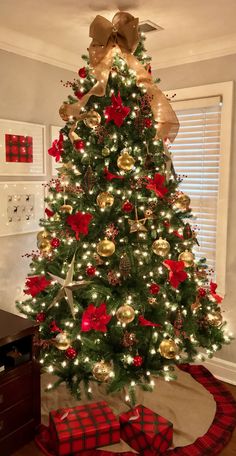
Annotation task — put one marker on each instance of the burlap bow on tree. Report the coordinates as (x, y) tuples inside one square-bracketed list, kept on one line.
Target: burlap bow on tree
[(121, 37)]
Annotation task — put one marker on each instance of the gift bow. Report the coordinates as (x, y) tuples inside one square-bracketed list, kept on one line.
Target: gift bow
[(121, 36)]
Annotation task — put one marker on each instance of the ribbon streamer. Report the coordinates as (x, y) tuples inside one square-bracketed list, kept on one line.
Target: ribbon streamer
[(121, 37)]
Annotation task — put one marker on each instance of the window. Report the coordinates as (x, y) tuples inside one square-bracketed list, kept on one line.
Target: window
[(201, 152)]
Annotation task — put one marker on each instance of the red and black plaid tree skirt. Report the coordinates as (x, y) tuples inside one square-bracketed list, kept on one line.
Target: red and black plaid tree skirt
[(211, 444), (19, 148)]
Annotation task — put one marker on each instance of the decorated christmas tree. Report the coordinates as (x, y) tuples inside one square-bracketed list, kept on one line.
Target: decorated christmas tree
[(114, 284)]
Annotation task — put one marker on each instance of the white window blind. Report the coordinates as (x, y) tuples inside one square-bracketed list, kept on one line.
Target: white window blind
[(196, 154)]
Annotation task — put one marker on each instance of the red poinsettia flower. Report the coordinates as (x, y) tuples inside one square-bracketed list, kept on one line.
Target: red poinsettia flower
[(144, 322), (117, 111), (109, 176), (157, 185), (177, 273), (95, 318), (79, 223), (213, 287), (49, 213), (35, 285), (57, 148)]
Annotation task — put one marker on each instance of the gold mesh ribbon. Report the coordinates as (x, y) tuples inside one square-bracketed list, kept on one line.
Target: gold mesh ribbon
[(121, 36)]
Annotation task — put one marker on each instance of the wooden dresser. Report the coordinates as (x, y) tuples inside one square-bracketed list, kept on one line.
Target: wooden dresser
[(19, 383)]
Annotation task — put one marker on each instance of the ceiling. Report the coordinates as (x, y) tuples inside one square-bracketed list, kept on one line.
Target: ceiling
[(57, 31)]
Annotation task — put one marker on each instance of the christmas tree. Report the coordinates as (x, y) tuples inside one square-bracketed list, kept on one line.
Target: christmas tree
[(115, 285)]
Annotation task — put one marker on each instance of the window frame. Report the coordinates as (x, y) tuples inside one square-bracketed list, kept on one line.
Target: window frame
[(225, 91)]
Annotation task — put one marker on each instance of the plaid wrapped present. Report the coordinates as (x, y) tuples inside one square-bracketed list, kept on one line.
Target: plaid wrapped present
[(145, 431), (82, 428), (19, 148)]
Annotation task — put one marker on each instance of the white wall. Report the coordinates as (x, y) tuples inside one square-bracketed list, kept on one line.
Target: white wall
[(30, 91), (195, 74)]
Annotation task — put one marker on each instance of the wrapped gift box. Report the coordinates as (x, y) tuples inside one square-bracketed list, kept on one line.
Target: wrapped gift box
[(82, 428), (145, 431)]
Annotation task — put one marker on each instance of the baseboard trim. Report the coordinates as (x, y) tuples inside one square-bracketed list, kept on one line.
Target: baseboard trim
[(221, 369)]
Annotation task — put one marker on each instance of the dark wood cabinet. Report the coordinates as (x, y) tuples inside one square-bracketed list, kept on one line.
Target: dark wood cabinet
[(19, 383)]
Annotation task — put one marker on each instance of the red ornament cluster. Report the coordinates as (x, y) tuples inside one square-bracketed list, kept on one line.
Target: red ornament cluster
[(91, 271), (71, 353), (154, 289), (79, 145), (82, 72), (55, 242), (137, 361), (40, 317)]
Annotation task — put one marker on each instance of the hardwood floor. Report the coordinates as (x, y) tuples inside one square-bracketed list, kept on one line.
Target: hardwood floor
[(32, 450)]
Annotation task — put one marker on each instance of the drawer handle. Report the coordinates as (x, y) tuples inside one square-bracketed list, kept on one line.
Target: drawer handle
[(1, 425), (1, 398)]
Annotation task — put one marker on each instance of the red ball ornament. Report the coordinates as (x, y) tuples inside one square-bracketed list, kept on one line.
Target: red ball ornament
[(90, 271), (40, 317), (127, 206), (82, 72), (79, 145), (71, 353), (154, 288), (201, 292), (137, 361), (55, 242), (148, 123), (79, 94)]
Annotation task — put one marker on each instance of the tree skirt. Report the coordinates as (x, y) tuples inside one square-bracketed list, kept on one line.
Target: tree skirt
[(209, 444)]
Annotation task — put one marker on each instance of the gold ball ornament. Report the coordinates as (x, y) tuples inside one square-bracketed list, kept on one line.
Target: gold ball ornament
[(41, 235), (161, 247), (45, 246), (125, 161), (215, 319), (101, 371), (125, 314), (66, 209), (168, 349), (106, 248), (187, 257), (61, 341), (92, 119), (105, 199), (105, 152), (182, 202)]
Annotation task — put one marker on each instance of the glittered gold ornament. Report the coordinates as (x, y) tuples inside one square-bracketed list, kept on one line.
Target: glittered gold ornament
[(106, 152), (56, 217), (182, 202), (105, 199), (168, 349), (45, 246), (101, 371), (41, 235), (161, 247), (63, 112), (187, 257), (61, 341), (66, 209), (125, 161), (92, 119), (215, 319), (125, 314), (106, 248)]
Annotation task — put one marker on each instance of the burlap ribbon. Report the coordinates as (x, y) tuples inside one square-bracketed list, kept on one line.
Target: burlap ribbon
[(121, 37)]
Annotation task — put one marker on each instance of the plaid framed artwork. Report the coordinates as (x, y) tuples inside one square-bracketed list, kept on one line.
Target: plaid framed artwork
[(22, 149), (22, 205)]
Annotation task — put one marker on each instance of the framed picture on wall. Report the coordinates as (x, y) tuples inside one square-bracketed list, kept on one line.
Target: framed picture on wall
[(54, 134), (22, 149), (22, 205)]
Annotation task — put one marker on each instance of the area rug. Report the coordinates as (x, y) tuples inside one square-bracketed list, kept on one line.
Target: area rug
[(210, 444)]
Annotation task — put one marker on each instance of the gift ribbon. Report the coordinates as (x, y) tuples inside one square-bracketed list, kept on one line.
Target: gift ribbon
[(121, 37)]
